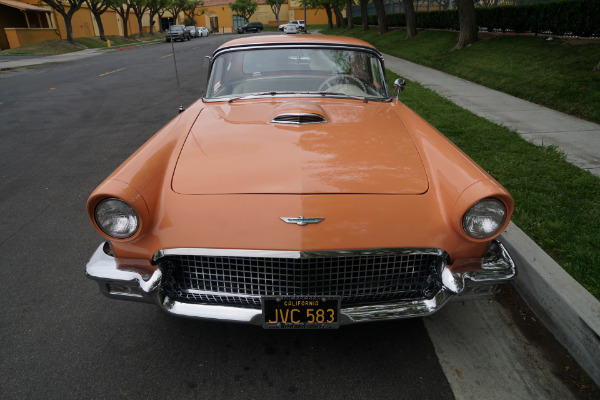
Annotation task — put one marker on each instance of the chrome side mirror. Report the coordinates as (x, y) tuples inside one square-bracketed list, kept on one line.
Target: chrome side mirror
[(399, 85)]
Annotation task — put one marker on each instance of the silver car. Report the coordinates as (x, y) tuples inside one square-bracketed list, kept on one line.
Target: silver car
[(192, 30)]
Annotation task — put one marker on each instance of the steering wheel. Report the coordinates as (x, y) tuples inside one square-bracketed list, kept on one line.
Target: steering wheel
[(333, 80)]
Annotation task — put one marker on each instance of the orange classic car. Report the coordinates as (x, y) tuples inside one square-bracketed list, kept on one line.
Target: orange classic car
[(299, 192)]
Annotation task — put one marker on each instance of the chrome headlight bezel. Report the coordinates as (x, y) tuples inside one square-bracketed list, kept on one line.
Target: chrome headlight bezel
[(485, 218), (116, 218)]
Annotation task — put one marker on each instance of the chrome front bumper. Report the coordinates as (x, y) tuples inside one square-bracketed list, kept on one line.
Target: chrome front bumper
[(497, 267)]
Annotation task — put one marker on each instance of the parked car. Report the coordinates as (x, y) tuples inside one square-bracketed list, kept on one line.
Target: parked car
[(300, 23), (192, 30), (202, 31), (291, 28), (177, 32), (299, 193), (251, 27)]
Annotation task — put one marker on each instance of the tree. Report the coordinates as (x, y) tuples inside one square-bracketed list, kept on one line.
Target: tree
[(339, 18), (154, 8), (468, 24), (191, 7), (122, 7), (381, 17), (275, 7), (139, 8), (364, 13), (175, 7), (244, 8), (98, 7), (349, 4), (73, 5), (411, 19), (329, 7)]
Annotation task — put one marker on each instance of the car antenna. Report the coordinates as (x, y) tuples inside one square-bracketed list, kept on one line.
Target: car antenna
[(176, 73)]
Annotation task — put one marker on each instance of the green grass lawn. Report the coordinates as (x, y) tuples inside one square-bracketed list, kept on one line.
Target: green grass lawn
[(558, 74), (557, 203)]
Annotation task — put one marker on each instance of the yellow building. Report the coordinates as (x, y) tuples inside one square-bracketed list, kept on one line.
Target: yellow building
[(29, 21), (219, 18)]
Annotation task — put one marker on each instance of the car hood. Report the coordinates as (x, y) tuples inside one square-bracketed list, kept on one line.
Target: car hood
[(236, 148)]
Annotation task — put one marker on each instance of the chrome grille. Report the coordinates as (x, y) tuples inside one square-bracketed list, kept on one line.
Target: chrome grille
[(357, 276)]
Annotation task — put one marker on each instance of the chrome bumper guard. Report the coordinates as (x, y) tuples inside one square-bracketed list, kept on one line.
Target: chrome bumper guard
[(497, 267)]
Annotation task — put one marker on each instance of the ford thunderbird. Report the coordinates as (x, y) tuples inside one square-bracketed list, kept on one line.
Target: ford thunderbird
[(299, 192)]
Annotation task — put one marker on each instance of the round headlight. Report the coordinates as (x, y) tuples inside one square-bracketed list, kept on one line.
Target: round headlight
[(485, 218), (116, 218)]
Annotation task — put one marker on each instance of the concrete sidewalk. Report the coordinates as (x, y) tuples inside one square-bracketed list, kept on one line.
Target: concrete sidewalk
[(578, 139)]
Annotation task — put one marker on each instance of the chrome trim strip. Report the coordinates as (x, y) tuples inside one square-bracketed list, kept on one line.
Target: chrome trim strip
[(497, 267), (293, 254), (217, 294), (308, 44), (301, 95)]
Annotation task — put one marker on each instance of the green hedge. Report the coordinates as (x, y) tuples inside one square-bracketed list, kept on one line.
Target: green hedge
[(578, 17)]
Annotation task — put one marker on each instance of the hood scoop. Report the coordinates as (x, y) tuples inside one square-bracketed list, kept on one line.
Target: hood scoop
[(298, 118), (299, 113)]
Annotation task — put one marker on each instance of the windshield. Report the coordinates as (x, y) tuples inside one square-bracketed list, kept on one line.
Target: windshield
[(322, 71)]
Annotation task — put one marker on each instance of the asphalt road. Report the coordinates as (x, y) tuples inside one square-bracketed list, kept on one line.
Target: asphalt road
[(63, 129)]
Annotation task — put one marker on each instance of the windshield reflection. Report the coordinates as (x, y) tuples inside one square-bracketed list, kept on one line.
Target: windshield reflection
[(308, 71)]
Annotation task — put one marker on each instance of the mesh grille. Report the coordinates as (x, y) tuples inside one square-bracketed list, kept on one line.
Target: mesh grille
[(357, 279)]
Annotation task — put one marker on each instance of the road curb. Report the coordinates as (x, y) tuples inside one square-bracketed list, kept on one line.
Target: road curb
[(569, 311)]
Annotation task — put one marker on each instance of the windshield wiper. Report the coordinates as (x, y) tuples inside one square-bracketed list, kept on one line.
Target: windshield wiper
[(363, 99), (271, 93)]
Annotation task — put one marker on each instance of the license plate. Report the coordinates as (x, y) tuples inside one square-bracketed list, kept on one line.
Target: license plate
[(301, 312)]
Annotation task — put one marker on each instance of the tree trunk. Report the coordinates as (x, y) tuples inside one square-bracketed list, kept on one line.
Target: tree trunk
[(100, 28), (339, 18), (364, 4), (349, 4), (381, 19), (468, 24), (411, 19), (152, 22), (125, 28), (329, 17), (69, 27)]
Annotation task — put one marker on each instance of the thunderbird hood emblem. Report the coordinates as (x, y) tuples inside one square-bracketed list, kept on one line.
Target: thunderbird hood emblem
[(301, 220)]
